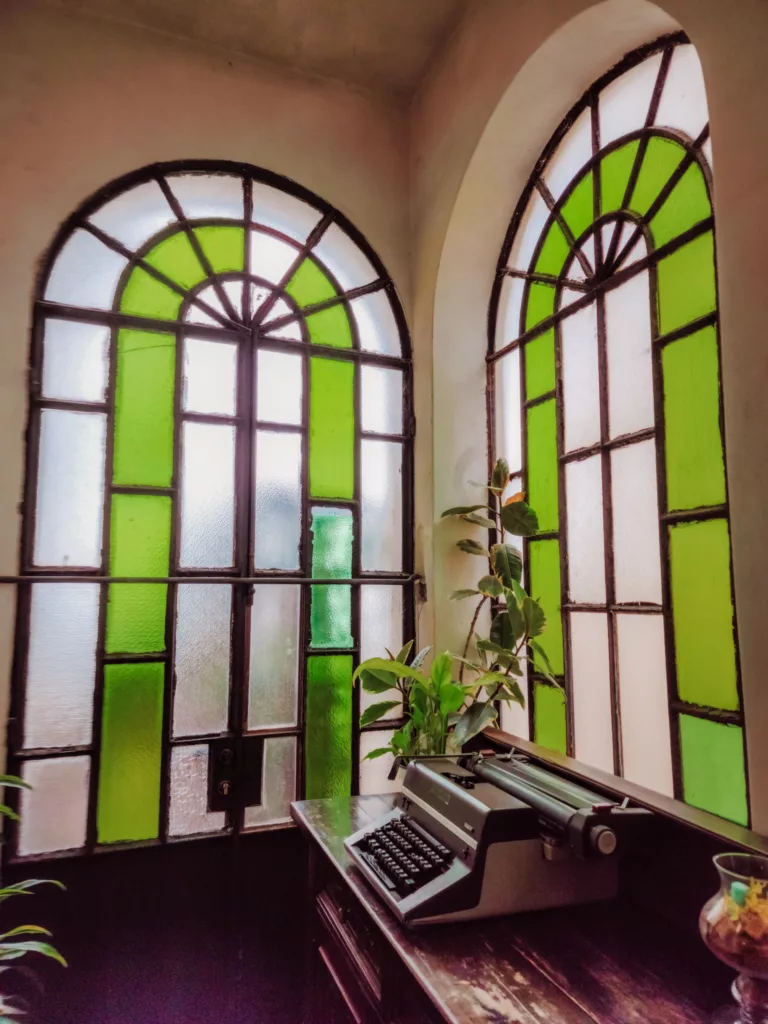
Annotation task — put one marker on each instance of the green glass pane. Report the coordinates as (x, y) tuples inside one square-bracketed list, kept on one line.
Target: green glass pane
[(331, 612), (331, 327), (329, 726), (540, 365), (702, 612), (688, 204), (544, 564), (686, 284), (540, 305), (661, 158), (131, 743), (140, 546), (554, 252), (143, 295), (331, 429), (223, 245), (310, 285), (615, 169), (176, 258), (693, 440), (549, 714), (542, 464), (713, 767), (579, 209), (146, 366)]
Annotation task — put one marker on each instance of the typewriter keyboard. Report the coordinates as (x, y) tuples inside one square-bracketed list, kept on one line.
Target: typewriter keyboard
[(403, 855)]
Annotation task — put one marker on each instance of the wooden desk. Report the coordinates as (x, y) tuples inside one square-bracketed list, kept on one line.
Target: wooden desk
[(600, 964)]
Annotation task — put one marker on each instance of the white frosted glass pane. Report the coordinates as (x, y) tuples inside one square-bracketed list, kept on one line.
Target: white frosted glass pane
[(291, 330), (207, 495), (637, 560), (373, 774), (203, 624), (706, 149), (279, 387), (586, 541), (271, 257), (54, 814), (381, 630), (284, 212), (208, 195), (382, 399), (210, 370), (571, 155), (645, 740), (587, 247), (381, 471), (278, 783), (274, 657), (85, 273), (638, 250), (606, 236), (513, 718), (507, 403), (344, 259), (581, 386), (197, 315), (630, 367), (684, 97), (591, 685), (278, 500), (188, 813), (376, 325), (70, 488), (135, 216), (61, 666), (528, 232), (234, 292), (75, 361), (624, 103), (508, 315)]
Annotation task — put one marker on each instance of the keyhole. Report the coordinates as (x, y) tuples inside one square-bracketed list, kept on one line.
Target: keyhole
[(224, 788)]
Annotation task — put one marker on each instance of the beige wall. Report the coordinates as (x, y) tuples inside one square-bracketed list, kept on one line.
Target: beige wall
[(477, 128), (82, 102)]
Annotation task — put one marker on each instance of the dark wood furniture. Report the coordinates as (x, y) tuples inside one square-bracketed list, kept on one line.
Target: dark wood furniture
[(637, 960)]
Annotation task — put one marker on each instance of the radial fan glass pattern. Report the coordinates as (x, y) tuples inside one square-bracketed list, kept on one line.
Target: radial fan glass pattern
[(604, 364), (219, 471)]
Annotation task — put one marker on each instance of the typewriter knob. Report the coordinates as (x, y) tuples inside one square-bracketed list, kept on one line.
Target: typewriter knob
[(603, 839)]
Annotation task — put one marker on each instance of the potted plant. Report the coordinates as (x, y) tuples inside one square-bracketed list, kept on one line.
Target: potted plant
[(459, 695)]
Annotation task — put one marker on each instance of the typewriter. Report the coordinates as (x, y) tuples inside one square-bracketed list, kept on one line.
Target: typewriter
[(491, 835)]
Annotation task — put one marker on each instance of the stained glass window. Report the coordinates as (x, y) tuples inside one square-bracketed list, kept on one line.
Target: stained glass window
[(217, 506), (604, 366)]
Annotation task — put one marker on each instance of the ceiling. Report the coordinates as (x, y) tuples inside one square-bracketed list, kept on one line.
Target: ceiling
[(382, 45)]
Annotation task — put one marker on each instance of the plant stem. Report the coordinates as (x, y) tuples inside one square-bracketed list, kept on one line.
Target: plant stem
[(469, 636)]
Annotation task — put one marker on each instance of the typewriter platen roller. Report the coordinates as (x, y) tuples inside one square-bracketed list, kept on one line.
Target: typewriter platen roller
[(489, 836)]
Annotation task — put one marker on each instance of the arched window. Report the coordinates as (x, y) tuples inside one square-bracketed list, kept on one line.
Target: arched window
[(604, 369), (219, 400)]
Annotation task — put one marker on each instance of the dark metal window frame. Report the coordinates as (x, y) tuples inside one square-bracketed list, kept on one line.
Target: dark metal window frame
[(604, 276), (241, 326)]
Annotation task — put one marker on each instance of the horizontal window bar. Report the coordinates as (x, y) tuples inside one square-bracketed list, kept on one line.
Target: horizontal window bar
[(113, 318), (69, 406), (711, 714), (605, 446), (382, 580), (691, 328), (694, 515), (635, 608), (531, 402), (38, 753)]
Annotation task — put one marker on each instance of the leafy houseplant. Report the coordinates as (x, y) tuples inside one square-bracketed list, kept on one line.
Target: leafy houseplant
[(14, 944), (442, 712)]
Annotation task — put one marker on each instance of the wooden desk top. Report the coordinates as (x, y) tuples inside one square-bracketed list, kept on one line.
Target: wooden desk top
[(597, 964)]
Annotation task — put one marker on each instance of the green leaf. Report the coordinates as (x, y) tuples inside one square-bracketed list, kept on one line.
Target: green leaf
[(377, 711), (452, 696), (421, 657), (13, 950), (519, 519), (502, 632), (477, 520), (9, 813), (14, 782), (491, 586), (545, 662), (500, 474), (403, 655), (471, 547), (514, 611), (375, 684), (513, 692), (474, 720), (482, 653), (384, 665), (442, 670), (507, 563), (535, 619), (462, 595), (462, 510), (25, 929), (378, 752)]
